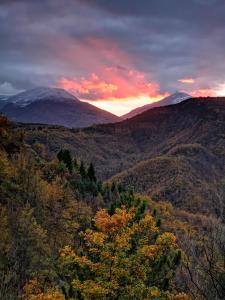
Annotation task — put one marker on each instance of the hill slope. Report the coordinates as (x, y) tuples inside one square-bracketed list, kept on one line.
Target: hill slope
[(54, 106), (184, 143), (186, 175), (172, 99)]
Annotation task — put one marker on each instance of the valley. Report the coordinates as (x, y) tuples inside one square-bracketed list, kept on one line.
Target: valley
[(112, 150), (174, 153)]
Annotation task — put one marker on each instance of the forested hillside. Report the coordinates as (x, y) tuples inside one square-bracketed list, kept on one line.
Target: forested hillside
[(175, 152), (66, 235)]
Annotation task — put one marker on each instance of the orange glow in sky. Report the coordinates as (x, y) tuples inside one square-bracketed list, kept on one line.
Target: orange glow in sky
[(204, 92), (120, 93), (112, 80), (120, 107), (117, 90), (186, 80), (114, 84)]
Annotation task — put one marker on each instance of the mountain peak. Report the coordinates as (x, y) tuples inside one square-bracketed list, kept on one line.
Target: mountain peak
[(175, 98), (54, 106), (41, 93)]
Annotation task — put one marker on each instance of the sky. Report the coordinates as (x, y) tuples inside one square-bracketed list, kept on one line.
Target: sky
[(115, 54)]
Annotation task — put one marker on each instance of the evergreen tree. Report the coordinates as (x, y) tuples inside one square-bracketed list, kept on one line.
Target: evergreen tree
[(75, 164), (91, 173), (82, 170), (68, 160), (60, 155), (65, 157), (113, 187)]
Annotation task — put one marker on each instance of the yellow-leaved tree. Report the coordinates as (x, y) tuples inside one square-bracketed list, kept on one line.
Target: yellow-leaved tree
[(123, 258)]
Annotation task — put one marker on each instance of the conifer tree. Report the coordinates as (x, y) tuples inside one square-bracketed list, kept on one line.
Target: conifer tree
[(68, 160), (75, 163), (65, 157), (60, 155), (82, 170), (91, 173)]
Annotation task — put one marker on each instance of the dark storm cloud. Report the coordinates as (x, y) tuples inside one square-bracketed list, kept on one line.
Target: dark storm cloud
[(42, 41)]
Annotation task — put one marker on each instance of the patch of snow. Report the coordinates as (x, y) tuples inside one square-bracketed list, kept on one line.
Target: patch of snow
[(173, 99), (41, 93), (4, 97)]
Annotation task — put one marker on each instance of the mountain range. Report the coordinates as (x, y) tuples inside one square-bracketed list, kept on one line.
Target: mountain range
[(174, 153), (54, 106), (58, 107)]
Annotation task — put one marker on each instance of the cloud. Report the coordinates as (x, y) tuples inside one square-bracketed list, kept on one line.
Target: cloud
[(186, 80), (89, 88), (113, 82), (6, 88), (216, 90), (203, 92), (117, 90), (162, 41)]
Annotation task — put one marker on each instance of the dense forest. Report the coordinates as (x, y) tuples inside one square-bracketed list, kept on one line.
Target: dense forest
[(65, 234), (174, 153)]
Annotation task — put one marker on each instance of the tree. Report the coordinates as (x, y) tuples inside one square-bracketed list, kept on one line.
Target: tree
[(75, 163), (91, 173), (204, 267), (60, 155), (33, 290), (123, 259), (82, 170), (5, 167), (65, 156)]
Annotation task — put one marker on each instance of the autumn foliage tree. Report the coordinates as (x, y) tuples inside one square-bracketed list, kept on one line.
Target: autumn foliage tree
[(127, 251), (122, 258)]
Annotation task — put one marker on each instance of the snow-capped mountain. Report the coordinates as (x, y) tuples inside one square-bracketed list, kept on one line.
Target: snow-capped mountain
[(54, 106), (4, 97), (41, 93), (172, 99), (3, 100)]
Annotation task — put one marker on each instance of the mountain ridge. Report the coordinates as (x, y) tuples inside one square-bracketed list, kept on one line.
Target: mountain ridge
[(175, 98), (40, 93), (185, 141), (54, 106)]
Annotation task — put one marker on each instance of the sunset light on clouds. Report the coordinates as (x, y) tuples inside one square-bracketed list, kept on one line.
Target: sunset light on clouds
[(120, 90), (186, 80), (112, 149), (115, 84), (114, 55), (117, 89)]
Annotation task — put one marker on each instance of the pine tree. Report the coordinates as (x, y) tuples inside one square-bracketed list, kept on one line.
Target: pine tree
[(68, 160), (91, 173), (65, 156), (60, 155), (82, 170), (75, 164)]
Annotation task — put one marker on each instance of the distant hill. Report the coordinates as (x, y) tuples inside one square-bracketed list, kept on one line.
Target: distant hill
[(174, 153), (54, 106), (189, 176), (172, 99)]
